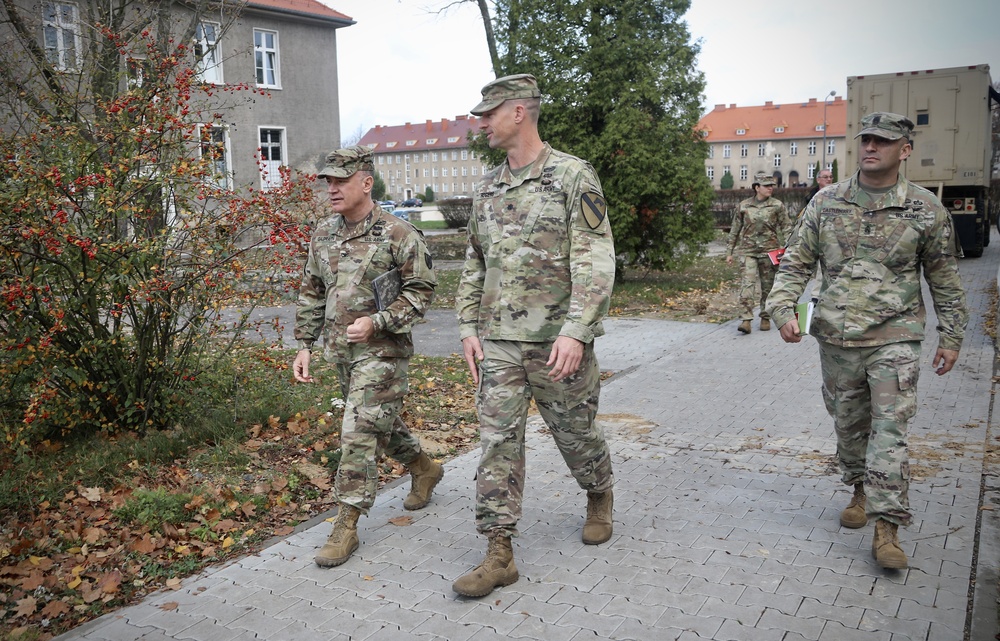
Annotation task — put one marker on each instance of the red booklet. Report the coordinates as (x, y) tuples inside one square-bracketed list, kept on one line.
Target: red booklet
[(775, 255)]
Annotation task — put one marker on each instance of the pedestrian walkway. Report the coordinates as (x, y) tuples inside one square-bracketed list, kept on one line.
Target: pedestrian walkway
[(726, 520)]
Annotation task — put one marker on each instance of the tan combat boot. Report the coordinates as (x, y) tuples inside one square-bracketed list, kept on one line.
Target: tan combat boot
[(885, 546), (496, 570), (744, 327), (424, 475), (854, 515), (343, 540), (598, 526), (765, 324)]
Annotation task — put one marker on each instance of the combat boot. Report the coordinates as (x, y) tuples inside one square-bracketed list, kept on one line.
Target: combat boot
[(496, 570), (854, 515), (885, 546), (765, 324), (343, 540), (424, 475), (744, 327), (598, 526)]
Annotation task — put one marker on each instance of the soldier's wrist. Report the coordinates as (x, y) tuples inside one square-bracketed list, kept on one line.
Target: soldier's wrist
[(305, 345)]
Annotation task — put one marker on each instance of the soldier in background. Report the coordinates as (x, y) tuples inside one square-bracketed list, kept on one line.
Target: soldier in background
[(760, 224), (536, 284), (370, 343), (872, 236)]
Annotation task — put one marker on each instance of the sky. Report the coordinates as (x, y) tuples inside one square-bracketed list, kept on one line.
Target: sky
[(405, 61)]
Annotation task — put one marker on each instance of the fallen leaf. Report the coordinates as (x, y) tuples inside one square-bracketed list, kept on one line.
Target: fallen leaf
[(227, 542), (34, 580), (144, 545), (55, 609), (92, 494), (284, 530), (110, 582), (401, 520), (174, 583), (169, 606), (26, 606)]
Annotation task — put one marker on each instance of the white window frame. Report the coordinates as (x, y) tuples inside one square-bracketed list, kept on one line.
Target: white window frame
[(264, 54), (777, 160), (741, 132), (60, 30), (793, 148), (711, 151), (744, 150), (761, 150), (744, 172), (270, 174), (810, 171), (710, 172), (812, 149), (222, 170), (725, 170), (209, 67), (727, 151), (831, 147)]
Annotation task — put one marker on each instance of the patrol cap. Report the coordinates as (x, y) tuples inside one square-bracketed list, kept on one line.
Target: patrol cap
[(764, 179), (886, 125), (522, 85), (344, 163)]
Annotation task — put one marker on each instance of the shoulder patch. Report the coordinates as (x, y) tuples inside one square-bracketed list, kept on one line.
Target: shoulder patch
[(594, 207)]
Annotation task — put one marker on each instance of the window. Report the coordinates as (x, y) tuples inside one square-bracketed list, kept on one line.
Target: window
[(390, 144), (811, 172), (726, 151), (465, 172), (399, 159), (744, 150), (777, 160), (761, 149), (265, 51), (831, 147), (465, 154), (399, 173), (744, 170), (710, 172), (725, 170), (424, 157), (820, 127), (711, 151), (793, 149), (435, 172), (61, 34), (812, 149), (209, 63), (475, 170), (427, 172), (381, 160), (215, 149), (271, 155), (923, 118), (454, 171), (388, 160), (453, 139), (741, 132), (779, 130), (434, 157)]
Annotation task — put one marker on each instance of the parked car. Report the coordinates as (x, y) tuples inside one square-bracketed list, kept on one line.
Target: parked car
[(387, 207), (404, 214), (412, 202)]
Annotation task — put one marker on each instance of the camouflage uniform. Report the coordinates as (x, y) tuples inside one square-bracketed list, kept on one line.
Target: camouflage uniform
[(869, 320), (758, 227), (336, 290), (540, 264)]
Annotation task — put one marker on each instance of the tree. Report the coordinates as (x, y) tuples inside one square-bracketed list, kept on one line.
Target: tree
[(726, 182), (121, 243), (621, 90), (835, 171), (815, 174), (428, 195), (378, 189)]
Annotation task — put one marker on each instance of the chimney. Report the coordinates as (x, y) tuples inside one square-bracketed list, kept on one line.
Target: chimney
[(769, 104), (444, 124), (457, 118), (721, 107), (430, 126), (812, 101)]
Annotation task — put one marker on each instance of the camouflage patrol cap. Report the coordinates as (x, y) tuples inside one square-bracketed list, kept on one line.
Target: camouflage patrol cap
[(764, 179), (344, 163), (886, 125), (522, 85)]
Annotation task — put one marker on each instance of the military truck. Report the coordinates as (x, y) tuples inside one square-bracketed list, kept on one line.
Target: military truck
[(952, 142)]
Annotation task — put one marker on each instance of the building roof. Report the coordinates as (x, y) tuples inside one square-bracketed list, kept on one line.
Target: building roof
[(430, 136), (770, 121), (311, 8)]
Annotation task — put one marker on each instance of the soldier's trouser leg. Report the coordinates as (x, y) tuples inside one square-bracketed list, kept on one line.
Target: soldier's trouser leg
[(502, 402), (569, 409), (748, 286), (766, 272), (871, 394), (373, 391)]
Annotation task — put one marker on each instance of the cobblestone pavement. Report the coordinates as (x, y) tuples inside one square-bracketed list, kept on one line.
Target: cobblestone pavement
[(726, 520)]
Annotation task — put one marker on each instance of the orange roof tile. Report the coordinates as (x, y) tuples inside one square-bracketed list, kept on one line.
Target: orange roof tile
[(430, 136), (307, 7), (799, 120)]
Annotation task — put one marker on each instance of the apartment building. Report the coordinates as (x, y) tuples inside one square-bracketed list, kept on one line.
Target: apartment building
[(412, 157), (785, 140)]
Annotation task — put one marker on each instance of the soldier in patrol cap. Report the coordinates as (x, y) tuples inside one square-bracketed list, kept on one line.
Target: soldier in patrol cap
[(368, 340), (536, 284), (872, 236), (760, 224)]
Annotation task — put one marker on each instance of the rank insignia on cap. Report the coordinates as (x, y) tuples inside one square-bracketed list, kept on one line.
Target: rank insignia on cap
[(595, 208)]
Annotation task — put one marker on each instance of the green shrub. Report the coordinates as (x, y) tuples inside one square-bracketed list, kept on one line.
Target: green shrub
[(456, 211)]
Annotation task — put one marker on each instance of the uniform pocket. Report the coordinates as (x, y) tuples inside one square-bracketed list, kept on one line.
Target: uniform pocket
[(386, 391), (906, 400)]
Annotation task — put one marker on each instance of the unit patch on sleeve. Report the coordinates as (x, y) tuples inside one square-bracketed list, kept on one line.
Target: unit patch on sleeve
[(595, 208)]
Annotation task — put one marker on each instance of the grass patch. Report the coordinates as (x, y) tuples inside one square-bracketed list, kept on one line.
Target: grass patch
[(430, 224)]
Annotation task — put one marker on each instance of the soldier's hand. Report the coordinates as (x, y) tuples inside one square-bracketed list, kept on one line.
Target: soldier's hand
[(944, 360), (729, 259), (300, 367), (361, 331), (565, 358), (790, 332), (472, 349)]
